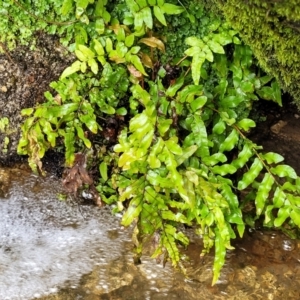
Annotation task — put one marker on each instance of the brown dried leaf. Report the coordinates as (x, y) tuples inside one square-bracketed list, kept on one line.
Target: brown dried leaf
[(58, 99), (153, 42), (69, 187), (116, 27), (77, 176), (147, 61), (96, 196), (79, 159), (72, 173), (85, 177)]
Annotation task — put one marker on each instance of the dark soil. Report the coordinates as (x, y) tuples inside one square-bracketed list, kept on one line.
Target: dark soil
[(24, 77), (278, 130)]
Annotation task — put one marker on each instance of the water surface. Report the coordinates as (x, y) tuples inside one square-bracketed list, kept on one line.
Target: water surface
[(51, 249)]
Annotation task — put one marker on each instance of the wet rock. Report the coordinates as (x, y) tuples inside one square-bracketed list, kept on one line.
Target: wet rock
[(278, 126), (118, 274), (5, 182), (280, 132), (24, 77)]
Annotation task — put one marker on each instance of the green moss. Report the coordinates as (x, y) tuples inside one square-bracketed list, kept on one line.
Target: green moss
[(272, 30), (21, 20)]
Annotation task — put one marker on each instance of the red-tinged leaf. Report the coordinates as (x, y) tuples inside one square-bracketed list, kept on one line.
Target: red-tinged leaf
[(134, 72)]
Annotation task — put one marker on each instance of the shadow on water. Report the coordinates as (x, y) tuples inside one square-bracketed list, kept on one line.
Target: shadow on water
[(51, 249)]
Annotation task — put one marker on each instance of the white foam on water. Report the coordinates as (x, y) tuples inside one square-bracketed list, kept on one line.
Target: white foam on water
[(45, 243)]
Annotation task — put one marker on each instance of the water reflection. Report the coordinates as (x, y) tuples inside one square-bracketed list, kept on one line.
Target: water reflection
[(57, 250)]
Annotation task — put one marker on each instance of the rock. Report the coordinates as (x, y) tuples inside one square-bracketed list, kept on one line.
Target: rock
[(278, 126), (5, 182), (24, 77)]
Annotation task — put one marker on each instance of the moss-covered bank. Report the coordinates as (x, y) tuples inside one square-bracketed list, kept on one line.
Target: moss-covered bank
[(272, 30)]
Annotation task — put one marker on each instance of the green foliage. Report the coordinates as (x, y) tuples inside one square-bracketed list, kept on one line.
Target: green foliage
[(180, 151), (271, 29), (20, 20), (4, 128), (4, 122), (71, 115)]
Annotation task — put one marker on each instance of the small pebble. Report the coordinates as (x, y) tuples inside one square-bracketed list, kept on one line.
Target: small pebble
[(288, 245), (3, 89)]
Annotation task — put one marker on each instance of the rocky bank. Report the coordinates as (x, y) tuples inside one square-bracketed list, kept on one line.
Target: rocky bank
[(25, 75)]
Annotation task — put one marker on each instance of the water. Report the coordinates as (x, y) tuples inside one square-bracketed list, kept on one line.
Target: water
[(46, 242), (51, 249)]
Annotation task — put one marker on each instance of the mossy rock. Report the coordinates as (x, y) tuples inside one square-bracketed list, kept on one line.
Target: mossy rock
[(272, 30)]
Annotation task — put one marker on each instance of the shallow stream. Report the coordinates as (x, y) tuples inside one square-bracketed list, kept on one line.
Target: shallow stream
[(51, 249)]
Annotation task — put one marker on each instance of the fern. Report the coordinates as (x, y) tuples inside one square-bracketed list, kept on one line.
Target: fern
[(182, 154)]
